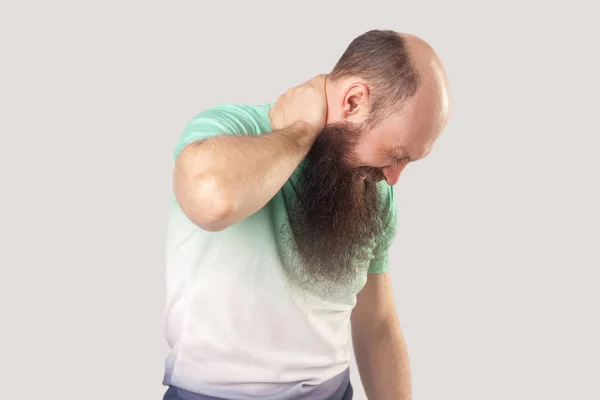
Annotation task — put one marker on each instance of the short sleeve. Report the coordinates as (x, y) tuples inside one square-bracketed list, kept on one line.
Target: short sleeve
[(219, 120), (380, 263)]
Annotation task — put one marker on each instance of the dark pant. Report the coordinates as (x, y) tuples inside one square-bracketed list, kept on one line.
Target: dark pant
[(348, 393), (172, 394)]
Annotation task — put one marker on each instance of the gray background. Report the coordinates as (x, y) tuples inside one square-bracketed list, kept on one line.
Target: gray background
[(495, 263)]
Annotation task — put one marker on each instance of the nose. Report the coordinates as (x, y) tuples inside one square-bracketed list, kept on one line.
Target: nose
[(392, 173)]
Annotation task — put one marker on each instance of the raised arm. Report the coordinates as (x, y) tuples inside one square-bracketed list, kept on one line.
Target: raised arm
[(224, 179)]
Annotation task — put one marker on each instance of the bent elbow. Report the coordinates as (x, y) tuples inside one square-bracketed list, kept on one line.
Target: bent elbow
[(204, 203)]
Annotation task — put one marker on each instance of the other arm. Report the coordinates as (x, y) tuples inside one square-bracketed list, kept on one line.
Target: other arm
[(379, 346)]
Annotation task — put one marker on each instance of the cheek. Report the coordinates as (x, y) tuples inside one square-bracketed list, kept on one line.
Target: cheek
[(363, 152), (372, 150)]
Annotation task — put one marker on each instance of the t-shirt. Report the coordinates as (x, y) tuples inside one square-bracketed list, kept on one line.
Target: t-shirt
[(235, 326)]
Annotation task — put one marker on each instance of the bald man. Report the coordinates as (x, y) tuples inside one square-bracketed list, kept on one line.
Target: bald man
[(281, 221)]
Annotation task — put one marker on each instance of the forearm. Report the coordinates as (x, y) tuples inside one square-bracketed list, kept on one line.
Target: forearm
[(227, 178), (382, 360)]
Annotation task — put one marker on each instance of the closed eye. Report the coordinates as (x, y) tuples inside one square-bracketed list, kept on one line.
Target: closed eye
[(401, 159), (398, 150)]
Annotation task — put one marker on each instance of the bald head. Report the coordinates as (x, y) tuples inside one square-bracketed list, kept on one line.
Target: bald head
[(391, 90), (399, 71)]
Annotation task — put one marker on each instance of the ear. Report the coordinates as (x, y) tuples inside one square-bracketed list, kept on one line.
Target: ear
[(355, 101)]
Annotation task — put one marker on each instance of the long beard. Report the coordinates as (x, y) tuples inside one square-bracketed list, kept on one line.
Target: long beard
[(338, 212)]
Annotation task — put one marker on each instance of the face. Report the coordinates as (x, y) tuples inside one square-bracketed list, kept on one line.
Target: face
[(400, 139)]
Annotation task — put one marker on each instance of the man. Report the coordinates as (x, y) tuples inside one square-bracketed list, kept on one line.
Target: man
[(280, 225)]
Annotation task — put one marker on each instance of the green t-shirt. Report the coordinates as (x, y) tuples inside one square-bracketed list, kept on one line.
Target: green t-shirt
[(243, 119), (235, 327)]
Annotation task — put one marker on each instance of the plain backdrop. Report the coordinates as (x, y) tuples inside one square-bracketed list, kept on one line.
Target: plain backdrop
[(495, 266)]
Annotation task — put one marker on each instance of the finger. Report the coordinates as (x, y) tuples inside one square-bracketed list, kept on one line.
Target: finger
[(320, 80)]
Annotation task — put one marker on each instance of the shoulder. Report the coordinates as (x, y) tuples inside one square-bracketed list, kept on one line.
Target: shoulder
[(245, 119), (236, 119), (389, 210), (387, 196)]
